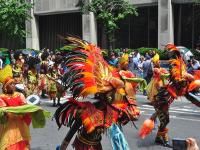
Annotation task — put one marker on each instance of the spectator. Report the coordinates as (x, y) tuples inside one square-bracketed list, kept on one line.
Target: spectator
[(196, 64), (147, 70), (125, 50), (192, 65), (187, 55), (137, 54), (113, 59), (147, 56), (131, 64), (140, 67), (198, 46), (1, 63), (192, 144), (189, 67), (136, 59), (151, 53)]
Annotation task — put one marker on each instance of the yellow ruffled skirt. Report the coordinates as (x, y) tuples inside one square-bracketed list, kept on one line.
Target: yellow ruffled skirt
[(14, 134), (152, 89)]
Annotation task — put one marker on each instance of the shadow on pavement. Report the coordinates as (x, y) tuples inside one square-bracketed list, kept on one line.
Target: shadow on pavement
[(148, 141)]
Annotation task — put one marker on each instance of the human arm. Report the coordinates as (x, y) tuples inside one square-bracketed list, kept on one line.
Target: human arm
[(141, 81), (115, 82), (134, 80)]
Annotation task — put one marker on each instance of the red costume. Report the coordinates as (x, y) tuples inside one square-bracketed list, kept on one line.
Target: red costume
[(90, 74)]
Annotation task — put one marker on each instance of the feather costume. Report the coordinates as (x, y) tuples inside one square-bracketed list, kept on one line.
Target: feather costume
[(90, 74), (180, 83)]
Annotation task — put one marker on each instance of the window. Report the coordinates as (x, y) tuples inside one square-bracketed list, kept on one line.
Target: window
[(186, 24)]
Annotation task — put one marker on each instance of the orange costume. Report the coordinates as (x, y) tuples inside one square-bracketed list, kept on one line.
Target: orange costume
[(89, 74), (156, 82), (15, 133), (180, 83), (16, 115)]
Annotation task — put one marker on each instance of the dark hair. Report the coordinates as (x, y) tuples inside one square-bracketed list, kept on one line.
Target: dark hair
[(16, 54), (32, 61), (44, 55)]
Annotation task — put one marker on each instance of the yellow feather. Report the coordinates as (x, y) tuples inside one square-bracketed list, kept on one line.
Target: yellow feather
[(89, 62), (89, 90), (87, 74)]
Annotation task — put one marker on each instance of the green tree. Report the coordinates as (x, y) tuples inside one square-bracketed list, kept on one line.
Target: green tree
[(109, 13), (197, 1), (13, 14)]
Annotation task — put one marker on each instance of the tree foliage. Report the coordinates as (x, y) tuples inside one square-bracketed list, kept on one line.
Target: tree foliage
[(13, 14), (197, 1), (109, 12)]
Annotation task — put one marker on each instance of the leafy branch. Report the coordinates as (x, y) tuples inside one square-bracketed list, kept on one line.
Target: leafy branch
[(13, 14), (109, 12)]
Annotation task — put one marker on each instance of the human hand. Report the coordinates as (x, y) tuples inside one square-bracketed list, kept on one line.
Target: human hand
[(191, 144)]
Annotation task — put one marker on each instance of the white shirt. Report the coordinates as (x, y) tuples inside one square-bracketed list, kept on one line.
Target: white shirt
[(196, 65), (188, 55), (1, 63)]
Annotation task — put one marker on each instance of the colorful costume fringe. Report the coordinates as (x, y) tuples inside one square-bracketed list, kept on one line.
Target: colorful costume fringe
[(180, 84), (90, 74), (156, 82)]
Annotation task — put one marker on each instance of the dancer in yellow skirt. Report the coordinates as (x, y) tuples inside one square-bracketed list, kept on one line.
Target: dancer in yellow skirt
[(157, 81), (16, 115)]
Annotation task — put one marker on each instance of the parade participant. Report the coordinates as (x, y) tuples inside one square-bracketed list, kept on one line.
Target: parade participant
[(16, 115), (130, 82), (43, 80), (155, 58), (18, 67), (157, 81), (32, 78), (180, 83), (53, 77), (89, 74), (60, 72), (52, 89)]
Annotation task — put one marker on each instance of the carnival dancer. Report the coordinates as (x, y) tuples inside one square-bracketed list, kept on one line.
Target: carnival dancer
[(43, 80), (130, 82), (52, 89), (89, 74), (180, 83), (32, 78), (53, 76), (18, 67), (158, 80), (60, 88), (16, 115)]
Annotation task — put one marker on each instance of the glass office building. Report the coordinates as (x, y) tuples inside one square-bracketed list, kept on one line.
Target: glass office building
[(159, 22)]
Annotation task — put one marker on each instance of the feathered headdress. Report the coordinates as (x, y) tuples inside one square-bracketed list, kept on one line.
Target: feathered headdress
[(171, 47), (87, 68), (174, 52), (123, 61)]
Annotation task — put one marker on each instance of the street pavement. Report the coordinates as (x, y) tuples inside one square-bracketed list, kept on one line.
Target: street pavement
[(184, 123)]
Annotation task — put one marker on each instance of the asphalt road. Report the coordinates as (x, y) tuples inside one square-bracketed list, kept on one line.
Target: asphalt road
[(184, 116)]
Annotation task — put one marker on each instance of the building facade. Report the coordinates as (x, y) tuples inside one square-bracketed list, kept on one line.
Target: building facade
[(159, 22)]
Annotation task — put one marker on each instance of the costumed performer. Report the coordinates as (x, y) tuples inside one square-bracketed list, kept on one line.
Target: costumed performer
[(16, 115), (180, 83), (89, 74)]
